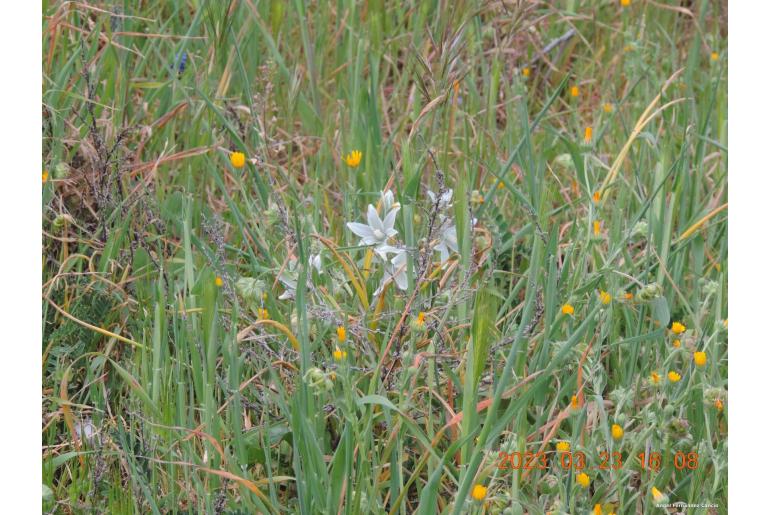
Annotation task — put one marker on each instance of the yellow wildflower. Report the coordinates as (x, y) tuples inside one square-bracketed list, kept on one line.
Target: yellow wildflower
[(583, 480), (219, 282), (608, 108), (657, 494), (617, 432), (353, 159), (45, 176), (562, 446), (574, 91), (674, 377), (597, 197), (262, 314), (718, 404), (714, 56), (699, 358), (421, 318), (339, 354), (479, 492), (655, 378), (625, 3), (341, 334), (605, 297), (677, 343), (598, 509), (597, 229), (238, 159), (589, 132), (525, 72), (574, 402), (567, 309), (678, 328)]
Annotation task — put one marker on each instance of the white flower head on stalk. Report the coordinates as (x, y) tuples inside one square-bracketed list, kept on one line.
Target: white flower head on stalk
[(395, 269), (388, 201), (378, 230), (447, 240), (444, 202)]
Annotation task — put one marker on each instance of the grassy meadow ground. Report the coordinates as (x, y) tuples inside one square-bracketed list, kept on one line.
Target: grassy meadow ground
[(549, 267)]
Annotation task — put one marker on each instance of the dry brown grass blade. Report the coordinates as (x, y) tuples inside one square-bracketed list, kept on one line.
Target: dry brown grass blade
[(93, 327), (143, 167), (250, 485), (349, 268), (272, 323), (697, 225), (643, 120), (482, 405)]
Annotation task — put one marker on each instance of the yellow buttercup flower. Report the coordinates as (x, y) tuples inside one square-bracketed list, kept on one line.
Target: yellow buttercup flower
[(677, 343), (589, 133), (718, 404), (655, 378), (628, 295), (674, 377), (714, 56), (583, 480), (219, 282), (501, 185), (567, 309), (598, 509), (597, 197), (597, 229), (479, 492), (562, 446), (605, 297), (341, 334), (678, 328), (339, 354), (608, 108), (574, 91), (45, 176), (263, 314), (421, 318), (625, 3), (525, 72), (617, 432), (574, 402), (238, 159), (699, 358), (353, 159), (656, 494)]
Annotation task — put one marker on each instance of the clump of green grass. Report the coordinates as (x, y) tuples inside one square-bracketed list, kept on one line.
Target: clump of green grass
[(219, 340)]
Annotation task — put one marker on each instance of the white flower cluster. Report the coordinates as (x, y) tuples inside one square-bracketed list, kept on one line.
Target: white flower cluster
[(377, 233)]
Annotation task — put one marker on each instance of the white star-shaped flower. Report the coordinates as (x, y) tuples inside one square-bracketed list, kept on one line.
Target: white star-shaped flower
[(447, 240), (378, 231), (395, 269), (444, 202)]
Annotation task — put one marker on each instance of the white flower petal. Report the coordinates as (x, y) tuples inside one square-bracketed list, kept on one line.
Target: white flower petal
[(361, 230), (387, 200), (374, 220), (390, 221)]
